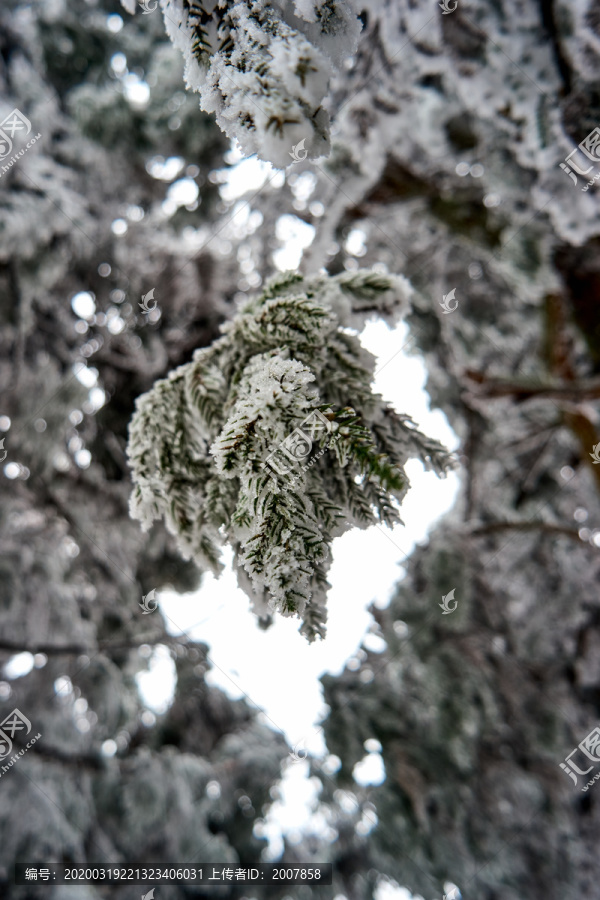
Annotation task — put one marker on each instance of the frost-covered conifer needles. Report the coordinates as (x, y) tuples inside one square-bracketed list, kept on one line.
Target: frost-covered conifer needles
[(264, 67), (273, 441)]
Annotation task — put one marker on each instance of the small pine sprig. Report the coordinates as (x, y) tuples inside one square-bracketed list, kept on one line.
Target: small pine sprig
[(273, 441)]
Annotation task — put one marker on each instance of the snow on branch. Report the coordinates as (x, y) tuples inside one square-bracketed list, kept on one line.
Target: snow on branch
[(273, 441), (263, 68)]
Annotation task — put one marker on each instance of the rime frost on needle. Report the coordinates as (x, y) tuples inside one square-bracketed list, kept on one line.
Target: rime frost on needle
[(263, 68), (205, 443)]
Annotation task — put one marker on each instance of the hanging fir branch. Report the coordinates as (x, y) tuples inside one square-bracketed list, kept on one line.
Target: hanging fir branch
[(273, 441), (263, 68)]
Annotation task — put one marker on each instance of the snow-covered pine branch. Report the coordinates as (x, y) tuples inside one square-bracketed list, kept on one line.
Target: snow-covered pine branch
[(273, 441), (263, 68)]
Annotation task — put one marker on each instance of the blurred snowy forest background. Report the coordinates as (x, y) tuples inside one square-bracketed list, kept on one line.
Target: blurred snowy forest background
[(448, 134)]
